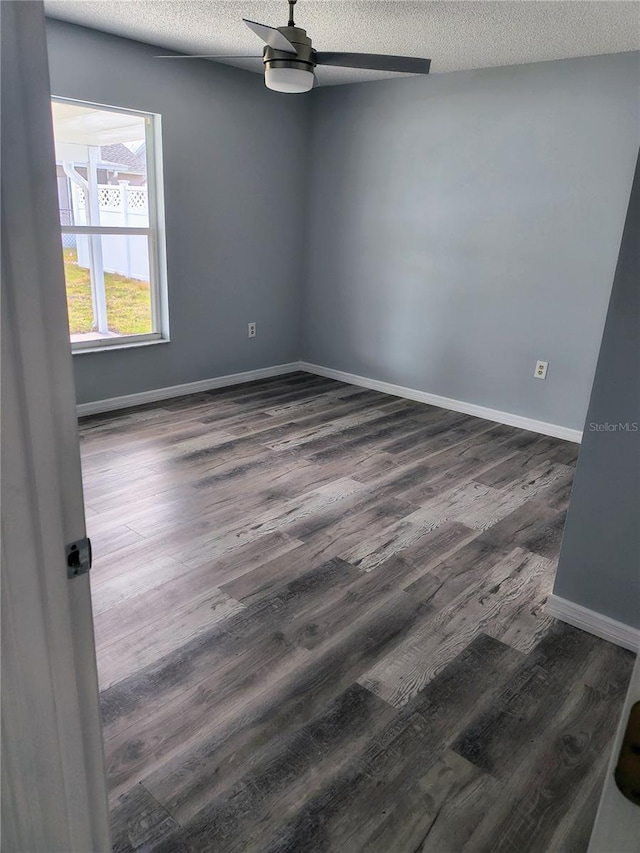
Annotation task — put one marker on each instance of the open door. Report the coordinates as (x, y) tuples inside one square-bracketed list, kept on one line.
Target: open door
[(617, 826), (53, 784)]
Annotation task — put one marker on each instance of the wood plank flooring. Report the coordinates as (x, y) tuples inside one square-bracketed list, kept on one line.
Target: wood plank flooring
[(320, 624)]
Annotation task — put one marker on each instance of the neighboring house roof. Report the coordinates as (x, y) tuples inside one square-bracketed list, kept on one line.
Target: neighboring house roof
[(120, 155)]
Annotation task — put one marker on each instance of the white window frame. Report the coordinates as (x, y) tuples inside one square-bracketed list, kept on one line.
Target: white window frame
[(155, 234)]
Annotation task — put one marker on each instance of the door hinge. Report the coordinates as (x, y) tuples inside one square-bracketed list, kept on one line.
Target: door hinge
[(78, 557)]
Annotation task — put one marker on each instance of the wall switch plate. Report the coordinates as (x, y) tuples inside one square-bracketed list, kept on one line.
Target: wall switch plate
[(252, 330), (541, 369)]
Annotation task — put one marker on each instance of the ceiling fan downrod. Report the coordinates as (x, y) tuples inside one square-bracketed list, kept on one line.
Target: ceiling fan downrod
[(292, 3)]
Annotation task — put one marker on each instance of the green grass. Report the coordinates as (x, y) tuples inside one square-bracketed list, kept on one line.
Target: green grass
[(128, 300)]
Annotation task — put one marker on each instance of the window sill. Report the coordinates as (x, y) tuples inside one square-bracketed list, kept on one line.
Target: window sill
[(117, 347)]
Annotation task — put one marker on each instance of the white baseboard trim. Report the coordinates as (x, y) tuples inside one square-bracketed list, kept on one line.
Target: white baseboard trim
[(507, 418), (114, 403), (594, 623)]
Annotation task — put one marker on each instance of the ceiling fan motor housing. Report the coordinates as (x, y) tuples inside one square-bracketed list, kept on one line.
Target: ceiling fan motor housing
[(303, 61)]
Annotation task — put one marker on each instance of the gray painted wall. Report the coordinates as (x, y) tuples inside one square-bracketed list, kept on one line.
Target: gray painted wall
[(234, 162), (599, 565), (464, 225), (457, 227)]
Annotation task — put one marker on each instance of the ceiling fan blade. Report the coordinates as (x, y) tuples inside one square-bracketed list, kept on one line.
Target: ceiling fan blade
[(213, 56), (375, 62), (271, 36)]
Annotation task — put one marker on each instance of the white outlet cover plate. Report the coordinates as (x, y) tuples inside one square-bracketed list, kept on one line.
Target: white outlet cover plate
[(541, 369)]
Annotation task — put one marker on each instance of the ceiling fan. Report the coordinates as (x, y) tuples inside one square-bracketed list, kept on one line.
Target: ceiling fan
[(289, 59)]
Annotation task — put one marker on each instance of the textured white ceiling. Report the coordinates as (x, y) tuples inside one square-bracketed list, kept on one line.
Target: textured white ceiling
[(454, 35)]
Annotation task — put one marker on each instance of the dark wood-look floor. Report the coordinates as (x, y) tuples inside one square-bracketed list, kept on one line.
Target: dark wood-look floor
[(320, 622)]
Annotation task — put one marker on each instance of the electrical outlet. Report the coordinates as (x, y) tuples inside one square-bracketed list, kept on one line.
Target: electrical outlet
[(541, 369), (252, 330)]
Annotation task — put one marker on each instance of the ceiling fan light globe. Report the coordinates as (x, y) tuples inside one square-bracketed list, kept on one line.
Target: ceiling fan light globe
[(289, 80)]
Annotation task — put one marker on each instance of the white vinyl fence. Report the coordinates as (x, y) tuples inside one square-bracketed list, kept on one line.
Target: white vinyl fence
[(120, 206)]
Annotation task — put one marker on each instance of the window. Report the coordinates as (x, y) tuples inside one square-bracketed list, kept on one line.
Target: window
[(110, 212)]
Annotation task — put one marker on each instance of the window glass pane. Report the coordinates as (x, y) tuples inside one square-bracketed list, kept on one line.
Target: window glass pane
[(108, 290), (101, 166)]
